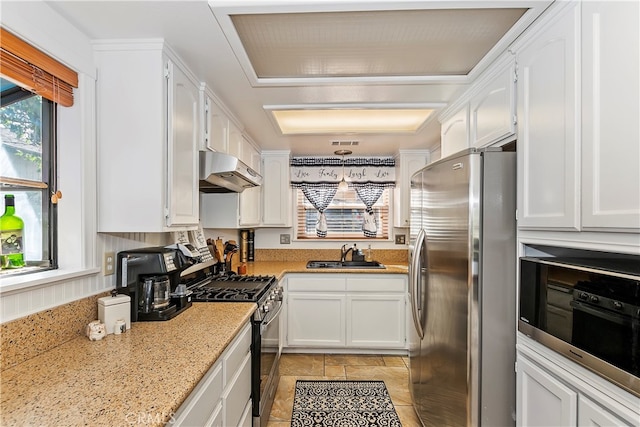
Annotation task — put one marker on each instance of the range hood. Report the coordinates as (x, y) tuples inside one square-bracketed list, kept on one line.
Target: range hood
[(224, 173)]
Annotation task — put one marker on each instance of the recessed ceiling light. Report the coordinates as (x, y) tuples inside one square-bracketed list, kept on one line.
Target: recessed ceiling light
[(327, 121)]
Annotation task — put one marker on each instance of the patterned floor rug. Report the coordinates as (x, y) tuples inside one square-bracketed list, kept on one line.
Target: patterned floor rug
[(343, 404)]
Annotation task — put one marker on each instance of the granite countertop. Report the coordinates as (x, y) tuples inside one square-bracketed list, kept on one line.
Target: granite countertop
[(139, 377), (280, 268)]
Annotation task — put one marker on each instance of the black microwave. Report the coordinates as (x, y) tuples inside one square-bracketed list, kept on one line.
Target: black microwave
[(586, 309)]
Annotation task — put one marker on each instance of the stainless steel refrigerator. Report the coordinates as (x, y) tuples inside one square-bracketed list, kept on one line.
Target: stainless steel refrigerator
[(462, 289)]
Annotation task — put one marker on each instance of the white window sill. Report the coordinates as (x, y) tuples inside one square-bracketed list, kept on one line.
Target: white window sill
[(15, 284)]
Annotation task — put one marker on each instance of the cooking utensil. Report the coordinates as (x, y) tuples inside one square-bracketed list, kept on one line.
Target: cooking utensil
[(219, 249), (230, 248)]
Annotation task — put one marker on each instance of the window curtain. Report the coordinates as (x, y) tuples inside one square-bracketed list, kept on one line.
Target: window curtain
[(318, 177), (369, 196), (318, 180), (320, 197)]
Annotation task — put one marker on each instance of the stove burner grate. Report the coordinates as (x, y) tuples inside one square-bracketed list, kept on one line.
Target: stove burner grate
[(233, 288)]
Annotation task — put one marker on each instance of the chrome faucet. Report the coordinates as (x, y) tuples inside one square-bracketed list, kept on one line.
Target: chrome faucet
[(343, 252)]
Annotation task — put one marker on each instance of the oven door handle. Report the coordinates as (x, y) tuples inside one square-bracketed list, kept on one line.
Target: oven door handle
[(274, 316), (618, 319)]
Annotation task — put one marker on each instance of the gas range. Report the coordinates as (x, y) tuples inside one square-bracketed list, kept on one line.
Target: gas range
[(263, 290), (267, 294)]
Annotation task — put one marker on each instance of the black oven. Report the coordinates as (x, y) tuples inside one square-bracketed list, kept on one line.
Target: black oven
[(586, 309), (266, 372), (266, 348)]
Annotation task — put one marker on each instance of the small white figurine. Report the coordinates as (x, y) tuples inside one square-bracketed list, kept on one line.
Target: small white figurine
[(96, 330)]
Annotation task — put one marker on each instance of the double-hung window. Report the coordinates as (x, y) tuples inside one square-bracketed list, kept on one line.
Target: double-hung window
[(32, 84), (344, 215), (27, 165)]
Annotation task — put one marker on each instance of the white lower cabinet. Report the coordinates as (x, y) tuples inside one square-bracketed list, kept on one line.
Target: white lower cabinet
[(237, 393), (549, 395), (342, 311), (316, 319), (543, 400), (222, 398), (592, 414)]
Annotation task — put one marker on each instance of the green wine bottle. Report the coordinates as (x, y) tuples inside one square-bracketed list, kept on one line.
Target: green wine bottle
[(11, 228)]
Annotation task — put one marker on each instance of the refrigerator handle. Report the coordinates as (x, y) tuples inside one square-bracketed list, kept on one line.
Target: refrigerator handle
[(415, 288)]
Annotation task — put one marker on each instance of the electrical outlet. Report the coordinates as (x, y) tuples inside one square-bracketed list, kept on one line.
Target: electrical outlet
[(400, 239), (109, 263), (285, 239)]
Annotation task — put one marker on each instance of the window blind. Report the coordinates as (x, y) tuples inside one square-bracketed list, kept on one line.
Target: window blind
[(344, 216), (36, 71)]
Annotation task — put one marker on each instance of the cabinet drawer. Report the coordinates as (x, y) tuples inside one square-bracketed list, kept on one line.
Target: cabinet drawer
[(367, 284), (247, 417), (237, 393), (235, 354), (199, 407), (317, 284), (216, 417)]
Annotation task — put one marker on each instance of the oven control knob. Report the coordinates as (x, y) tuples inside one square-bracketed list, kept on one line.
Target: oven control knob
[(618, 305), (594, 299), (265, 308), (583, 296)]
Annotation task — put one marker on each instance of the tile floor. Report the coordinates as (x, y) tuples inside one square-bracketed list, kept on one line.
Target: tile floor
[(391, 369)]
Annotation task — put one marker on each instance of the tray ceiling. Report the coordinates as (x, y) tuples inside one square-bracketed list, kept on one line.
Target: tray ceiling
[(370, 43)]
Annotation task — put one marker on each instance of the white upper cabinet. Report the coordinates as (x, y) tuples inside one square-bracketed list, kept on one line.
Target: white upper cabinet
[(408, 162), (276, 189), (548, 124), (235, 141), (147, 132), (610, 112), (578, 109), (182, 158), (215, 124), (454, 134), (250, 209), (486, 113), (492, 111)]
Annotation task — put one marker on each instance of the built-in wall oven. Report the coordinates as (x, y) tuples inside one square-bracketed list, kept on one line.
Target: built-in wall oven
[(587, 309)]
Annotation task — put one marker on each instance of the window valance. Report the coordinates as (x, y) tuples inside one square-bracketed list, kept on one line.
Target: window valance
[(359, 172)]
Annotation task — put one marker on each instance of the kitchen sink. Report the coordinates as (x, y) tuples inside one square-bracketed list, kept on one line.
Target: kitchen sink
[(344, 264)]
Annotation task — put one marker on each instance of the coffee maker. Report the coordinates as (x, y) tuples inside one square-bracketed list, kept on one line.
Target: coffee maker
[(151, 276)]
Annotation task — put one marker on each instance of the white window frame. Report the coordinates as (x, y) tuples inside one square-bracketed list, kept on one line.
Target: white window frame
[(357, 236), (76, 277), (76, 210)]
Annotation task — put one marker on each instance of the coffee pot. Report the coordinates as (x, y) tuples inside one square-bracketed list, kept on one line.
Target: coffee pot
[(155, 293)]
